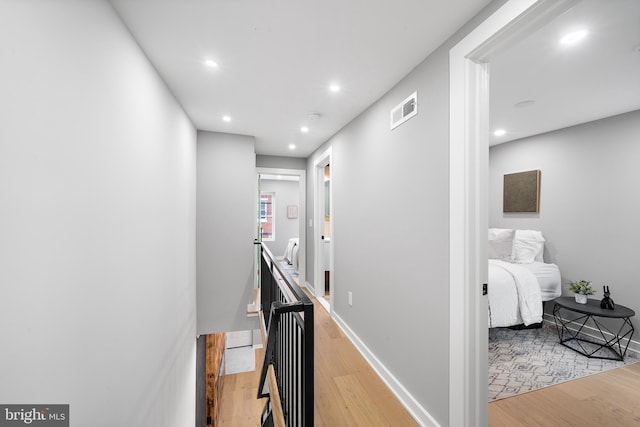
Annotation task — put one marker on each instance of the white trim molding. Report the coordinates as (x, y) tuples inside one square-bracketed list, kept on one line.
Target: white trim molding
[(468, 187)]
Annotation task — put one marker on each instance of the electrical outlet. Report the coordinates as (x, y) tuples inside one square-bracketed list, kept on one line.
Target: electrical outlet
[(350, 299)]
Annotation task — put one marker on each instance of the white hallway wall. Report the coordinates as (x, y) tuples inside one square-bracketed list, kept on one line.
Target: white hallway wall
[(589, 203), (226, 228), (391, 232), (279, 162), (97, 255)]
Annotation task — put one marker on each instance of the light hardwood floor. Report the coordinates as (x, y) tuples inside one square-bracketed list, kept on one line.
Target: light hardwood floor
[(347, 390), (608, 399), (349, 393)]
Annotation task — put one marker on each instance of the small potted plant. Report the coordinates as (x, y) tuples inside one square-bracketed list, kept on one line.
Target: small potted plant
[(581, 289)]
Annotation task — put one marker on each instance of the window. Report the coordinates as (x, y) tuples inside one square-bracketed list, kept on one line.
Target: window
[(267, 224)]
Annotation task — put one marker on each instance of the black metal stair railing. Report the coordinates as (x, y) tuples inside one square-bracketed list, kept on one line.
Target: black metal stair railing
[(288, 316)]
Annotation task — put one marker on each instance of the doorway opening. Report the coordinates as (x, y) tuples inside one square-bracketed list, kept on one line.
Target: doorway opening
[(280, 219), (468, 195), (326, 237), (323, 232)]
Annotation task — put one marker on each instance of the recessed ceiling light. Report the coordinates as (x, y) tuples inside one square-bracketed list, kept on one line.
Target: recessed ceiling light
[(292, 146), (334, 88), (499, 132), (211, 63), (226, 119), (304, 129), (573, 37)]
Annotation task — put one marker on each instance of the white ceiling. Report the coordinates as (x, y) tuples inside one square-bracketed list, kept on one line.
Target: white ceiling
[(595, 78), (277, 58)]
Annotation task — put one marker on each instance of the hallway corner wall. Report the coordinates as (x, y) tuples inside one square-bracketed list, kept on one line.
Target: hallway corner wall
[(226, 227), (97, 254)]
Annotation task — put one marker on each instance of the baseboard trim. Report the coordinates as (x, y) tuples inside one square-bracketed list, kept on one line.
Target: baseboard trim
[(310, 288), (323, 302), (417, 411), (591, 332)]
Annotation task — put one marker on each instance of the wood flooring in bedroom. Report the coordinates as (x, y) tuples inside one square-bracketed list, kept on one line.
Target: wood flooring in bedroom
[(608, 399)]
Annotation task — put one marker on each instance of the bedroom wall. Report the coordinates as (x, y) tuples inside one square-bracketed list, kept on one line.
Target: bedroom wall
[(97, 254), (226, 227), (391, 239), (589, 204), (286, 193)]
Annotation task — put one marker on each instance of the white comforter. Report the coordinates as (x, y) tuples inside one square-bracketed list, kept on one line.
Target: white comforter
[(514, 295)]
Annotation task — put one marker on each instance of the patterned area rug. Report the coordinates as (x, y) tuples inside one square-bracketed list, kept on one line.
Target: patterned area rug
[(529, 359)]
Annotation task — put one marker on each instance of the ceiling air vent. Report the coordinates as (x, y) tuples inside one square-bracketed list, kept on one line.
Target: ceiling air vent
[(403, 112)]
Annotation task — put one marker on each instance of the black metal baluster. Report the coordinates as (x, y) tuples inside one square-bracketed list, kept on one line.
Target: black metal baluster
[(289, 344)]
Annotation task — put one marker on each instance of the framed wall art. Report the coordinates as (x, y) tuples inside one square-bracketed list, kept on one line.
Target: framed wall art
[(522, 192), (292, 211)]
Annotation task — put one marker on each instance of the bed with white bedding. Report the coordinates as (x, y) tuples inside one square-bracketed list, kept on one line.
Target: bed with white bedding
[(519, 280)]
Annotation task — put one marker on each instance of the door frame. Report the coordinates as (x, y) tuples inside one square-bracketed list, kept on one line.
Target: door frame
[(302, 204), (318, 219), (468, 198)]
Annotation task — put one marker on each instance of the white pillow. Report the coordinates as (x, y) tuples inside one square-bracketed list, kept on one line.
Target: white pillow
[(501, 243), (528, 246)]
